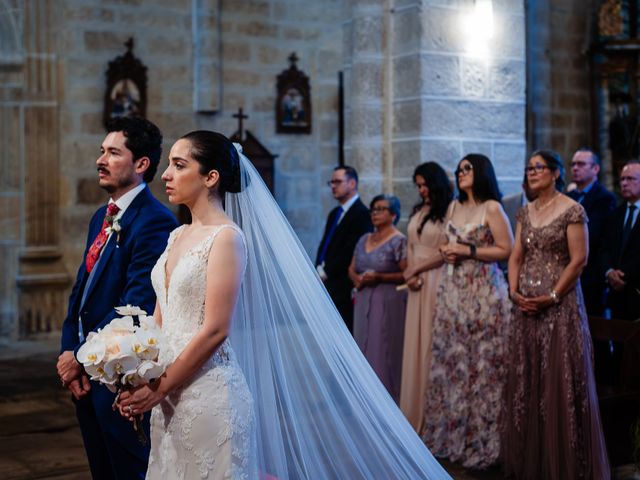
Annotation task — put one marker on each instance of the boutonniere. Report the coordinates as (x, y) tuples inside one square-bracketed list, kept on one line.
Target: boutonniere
[(114, 228)]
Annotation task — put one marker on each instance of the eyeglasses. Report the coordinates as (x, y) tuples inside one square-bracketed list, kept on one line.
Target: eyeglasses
[(628, 178), (334, 182), (379, 209), (464, 170), (539, 168), (581, 164)]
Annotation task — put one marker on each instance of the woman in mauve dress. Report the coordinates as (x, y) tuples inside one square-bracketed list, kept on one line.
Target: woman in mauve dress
[(376, 270)]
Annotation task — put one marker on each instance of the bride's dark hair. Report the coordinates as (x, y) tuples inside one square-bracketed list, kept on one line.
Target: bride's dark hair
[(214, 151)]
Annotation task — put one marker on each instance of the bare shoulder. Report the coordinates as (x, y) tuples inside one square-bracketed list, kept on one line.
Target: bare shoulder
[(228, 240), (566, 201), (494, 207)]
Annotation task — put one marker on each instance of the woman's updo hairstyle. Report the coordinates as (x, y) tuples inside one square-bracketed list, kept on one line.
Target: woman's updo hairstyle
[(214, 151)]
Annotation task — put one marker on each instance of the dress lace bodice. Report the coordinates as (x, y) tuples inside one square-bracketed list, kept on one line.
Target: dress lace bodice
[(545, 249), (204, 428), (182, 317)]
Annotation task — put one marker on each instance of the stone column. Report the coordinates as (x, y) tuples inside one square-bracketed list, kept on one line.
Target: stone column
[(11, 194), (417, 92), (367, 93), (41, 278)]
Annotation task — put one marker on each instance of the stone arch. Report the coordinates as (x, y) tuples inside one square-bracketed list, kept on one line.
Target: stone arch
[(11, 45)]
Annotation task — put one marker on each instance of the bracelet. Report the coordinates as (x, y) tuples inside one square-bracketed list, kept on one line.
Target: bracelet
[(554, 296), (473, 249)]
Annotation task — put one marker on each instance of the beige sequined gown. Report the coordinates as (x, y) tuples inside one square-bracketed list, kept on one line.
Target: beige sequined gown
[(551, 427)]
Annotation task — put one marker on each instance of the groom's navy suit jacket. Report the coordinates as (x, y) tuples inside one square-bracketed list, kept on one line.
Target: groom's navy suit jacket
[(121, 277)]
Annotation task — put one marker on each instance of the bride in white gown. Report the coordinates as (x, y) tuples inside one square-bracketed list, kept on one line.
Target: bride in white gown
[(264, 381)]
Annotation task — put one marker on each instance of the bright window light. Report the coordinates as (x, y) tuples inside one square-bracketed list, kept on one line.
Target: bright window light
[(477, 27)]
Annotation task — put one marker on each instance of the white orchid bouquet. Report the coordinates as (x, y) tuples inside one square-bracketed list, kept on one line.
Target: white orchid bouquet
[(124, 354)]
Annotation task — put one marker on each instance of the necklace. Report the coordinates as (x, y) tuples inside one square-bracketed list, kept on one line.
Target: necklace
[(545, 205), (380, 237)]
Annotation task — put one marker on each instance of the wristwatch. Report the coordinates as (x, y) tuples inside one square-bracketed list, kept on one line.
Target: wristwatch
[(472, 247), (554, 296)]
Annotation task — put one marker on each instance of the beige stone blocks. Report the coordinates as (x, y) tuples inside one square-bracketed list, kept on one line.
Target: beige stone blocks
[(465, 118), (106, 40)]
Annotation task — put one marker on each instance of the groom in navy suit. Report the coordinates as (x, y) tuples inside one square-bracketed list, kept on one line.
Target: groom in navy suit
[(125, 239)]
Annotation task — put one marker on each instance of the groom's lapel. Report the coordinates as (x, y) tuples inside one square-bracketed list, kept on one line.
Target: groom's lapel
[(126, 223)]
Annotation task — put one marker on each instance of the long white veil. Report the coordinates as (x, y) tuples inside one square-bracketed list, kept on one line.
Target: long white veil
[(321, 412)]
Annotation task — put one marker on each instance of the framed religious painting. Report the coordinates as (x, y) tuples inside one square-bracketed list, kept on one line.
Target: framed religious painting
[(126, 89), (293, 100)]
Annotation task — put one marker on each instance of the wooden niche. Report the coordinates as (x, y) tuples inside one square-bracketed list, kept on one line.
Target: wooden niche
[(615, 55)]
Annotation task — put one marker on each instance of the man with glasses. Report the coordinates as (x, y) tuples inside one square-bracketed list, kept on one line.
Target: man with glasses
[(598, 202), (620, 257), (345, 225)]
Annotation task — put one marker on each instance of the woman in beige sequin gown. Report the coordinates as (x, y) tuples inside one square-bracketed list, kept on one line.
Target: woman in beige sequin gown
[(551, 427), (425, 235)]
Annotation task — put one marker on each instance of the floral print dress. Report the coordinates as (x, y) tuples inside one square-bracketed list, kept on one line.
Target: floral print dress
[(471, 323)]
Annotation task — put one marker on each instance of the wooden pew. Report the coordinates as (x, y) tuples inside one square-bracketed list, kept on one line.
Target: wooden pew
[(620, 401)]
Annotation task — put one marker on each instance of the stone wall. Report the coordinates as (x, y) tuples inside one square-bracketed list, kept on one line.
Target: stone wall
[(417, 94), (256, 39), (243, 47), (559, 100), (11, 187)]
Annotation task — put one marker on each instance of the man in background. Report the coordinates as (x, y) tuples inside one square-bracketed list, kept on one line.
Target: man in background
[(598, 202), (620, 253), (345, 225)]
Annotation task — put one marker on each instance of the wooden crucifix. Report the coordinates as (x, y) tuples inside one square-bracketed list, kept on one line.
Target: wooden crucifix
[(240, 116), (257, 153)]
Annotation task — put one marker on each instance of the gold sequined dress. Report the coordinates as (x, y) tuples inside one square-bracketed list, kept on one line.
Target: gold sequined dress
[(551, 428)]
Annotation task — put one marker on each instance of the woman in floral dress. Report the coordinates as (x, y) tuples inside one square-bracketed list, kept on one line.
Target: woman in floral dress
[(552, 426), (471, 323)]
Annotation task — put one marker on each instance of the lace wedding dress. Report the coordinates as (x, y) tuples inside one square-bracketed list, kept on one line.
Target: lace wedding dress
[(204, 429)]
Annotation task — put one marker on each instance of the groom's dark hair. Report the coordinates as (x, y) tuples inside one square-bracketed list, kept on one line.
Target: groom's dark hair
[(143, 138)]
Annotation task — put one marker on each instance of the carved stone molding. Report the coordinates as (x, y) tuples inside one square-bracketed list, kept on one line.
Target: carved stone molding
[(42, 282), (41, 278)]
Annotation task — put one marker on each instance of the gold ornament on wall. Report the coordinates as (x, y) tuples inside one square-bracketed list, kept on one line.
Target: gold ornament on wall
[(610, 21)]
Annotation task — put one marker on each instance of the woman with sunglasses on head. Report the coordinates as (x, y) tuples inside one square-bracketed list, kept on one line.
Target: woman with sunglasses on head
[(551, 427), (376, 270), (464, 397), (425, 236)]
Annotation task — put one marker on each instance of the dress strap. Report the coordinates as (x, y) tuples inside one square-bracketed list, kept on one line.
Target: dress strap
[(209, 242), (451, 209), (484, 213), (175, 233)]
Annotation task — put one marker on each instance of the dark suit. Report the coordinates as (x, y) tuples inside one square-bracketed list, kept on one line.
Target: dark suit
[(121, 277), (598, 203), (355, 223), (624, 304), (512, 205)]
